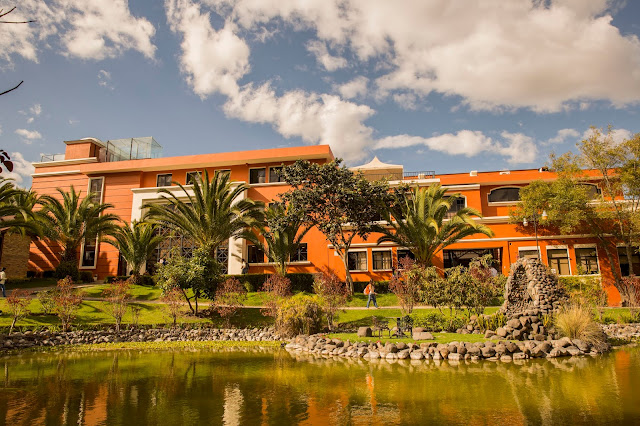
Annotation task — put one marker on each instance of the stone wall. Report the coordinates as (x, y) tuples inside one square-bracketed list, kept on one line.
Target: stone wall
[(15, 255)]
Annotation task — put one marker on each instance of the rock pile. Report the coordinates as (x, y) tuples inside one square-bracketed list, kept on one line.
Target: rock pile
[(623, 331), (31, 339), (531, 286), (455, 351), (527, 325)]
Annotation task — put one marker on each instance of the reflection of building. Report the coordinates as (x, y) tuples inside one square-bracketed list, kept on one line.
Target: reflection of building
[(128, 173)]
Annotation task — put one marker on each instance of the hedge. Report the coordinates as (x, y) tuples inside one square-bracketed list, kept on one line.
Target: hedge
[(299, 281), (146, 280), (382, 287)]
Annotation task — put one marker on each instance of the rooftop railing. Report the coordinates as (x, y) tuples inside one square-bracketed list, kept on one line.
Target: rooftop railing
[(427, 174), (51, 157)]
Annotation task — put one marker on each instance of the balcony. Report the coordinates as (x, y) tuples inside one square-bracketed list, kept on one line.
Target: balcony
[(399, 175)]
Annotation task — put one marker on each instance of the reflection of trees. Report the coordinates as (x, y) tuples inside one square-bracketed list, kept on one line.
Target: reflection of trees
[(271, 386)]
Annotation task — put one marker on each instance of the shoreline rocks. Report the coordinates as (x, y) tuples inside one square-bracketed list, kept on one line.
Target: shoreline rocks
[(35, 339), (502, 350)]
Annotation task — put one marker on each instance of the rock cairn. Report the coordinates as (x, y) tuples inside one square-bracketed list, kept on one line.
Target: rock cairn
[(30, 339), (322, 346), (623, 331), (531, 286)]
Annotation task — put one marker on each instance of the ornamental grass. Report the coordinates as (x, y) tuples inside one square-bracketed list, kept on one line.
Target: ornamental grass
[(576, 321)]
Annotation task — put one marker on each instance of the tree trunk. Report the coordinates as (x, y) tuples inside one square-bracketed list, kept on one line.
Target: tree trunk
[(349, 280), (195, 295), (187, 299)]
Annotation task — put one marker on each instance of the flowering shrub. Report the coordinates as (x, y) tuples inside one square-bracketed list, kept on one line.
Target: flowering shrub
[(18, 302), (229, 298)]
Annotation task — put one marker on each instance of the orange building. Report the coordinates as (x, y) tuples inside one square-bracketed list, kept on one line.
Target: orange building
[(129, 172)]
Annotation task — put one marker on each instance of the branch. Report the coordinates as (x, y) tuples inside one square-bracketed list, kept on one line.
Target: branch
[(7, 91), (12, 22)]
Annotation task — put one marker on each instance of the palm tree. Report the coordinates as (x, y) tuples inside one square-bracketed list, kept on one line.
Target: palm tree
[(16, 208), (73, 219), (210, 216), (27, 223), (420, 222), (136, 244), (282, 235)]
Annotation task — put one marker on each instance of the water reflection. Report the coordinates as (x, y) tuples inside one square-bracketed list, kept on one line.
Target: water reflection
[(269, 386)]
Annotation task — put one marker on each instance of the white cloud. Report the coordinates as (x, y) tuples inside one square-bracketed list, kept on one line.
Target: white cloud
[(22, 169), (562, 136), (545, 56), (36, 109), (322, 55), (516, 147), (213, 61), (617, 135), (406, 100), (87, 29), (29, 135), (104, 79), (354, 88)]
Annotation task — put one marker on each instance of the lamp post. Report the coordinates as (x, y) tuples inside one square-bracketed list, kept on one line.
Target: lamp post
[(534, 219)]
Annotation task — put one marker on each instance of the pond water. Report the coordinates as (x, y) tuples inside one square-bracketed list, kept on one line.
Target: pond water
[(270, 386)]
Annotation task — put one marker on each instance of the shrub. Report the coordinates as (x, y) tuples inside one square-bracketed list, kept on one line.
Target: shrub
[(407, 286), (67, 268), (48, 274), (584, 290), (276, 288), (491, 322), (333, 292), (299, 281), (437, 321), (172, 299), (47, 302), (18, 303), (630, 291), (229, 298), (67, 302), (135, 314), (576, 322), (299, 314), (86, 277), (31, 274), (484, 287), (146, 280), (117, 296)]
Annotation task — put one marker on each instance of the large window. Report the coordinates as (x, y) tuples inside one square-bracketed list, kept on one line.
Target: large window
[(454, 258), (301, 254), (559, 261), (457, 205), (164, 179), (381, 260), (191, 176), (95, 189), (254, 254), (587, 260), (528, 253), (624, 261), (257, 175), (504, 195), (89, 253), (274, 174), (405, 253), (357, 260)]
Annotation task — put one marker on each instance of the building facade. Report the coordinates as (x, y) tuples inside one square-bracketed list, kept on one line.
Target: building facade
[(128, 173)]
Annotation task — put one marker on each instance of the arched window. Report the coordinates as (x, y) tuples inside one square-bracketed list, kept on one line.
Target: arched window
[(504, 194)]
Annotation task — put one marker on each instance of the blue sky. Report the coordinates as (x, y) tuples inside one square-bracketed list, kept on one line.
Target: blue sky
[(444, 85)]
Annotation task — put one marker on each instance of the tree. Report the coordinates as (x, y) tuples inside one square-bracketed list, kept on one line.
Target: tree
[(212, 215), (341, 203), (136, 243), (276, 288), (282, 235), (408, 284), (230, 296), (419, 222), (333, 292), (18, 305), (2, 15), (172, 298), (73, 219), (16, 206), (67, 301), (117, 295)]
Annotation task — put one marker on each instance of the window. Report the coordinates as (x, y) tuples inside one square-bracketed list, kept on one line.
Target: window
[(89, 251), (301, 254), (95, 189), (255, 254), (624, 261), (257, 175), (559, 261), (381, 260), (528, 254), (405, 253), (593, 190), (164, 180), (273, 174), (222, 257), (191, 176), (224, 172), (587, 260), (357, 260), (453, 258), (457, 204), (502, 195)]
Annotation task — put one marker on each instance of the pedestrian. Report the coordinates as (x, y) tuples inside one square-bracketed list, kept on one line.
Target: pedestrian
[(371, 292), (245, 267), (3, 280)]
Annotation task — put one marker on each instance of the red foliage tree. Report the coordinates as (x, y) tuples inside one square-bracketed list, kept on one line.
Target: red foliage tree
[(229, 298), (333, 292), (18, 302), (276, 288)]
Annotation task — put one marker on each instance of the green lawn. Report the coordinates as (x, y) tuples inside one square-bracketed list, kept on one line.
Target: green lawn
[(31, 283), (138, 292)]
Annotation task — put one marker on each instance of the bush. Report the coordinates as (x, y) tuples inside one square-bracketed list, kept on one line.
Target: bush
[(67, 268), (18, 302), (630, 291), (275, 288), (67, 302), (299, 281), (299, 314), (117, 296), (48, 274), (437, 321), (229, 298), (47, 302), (408, 285), (584, 290), (333, 292), (31, 274), (86, 277), (576, 322), (172, 299)]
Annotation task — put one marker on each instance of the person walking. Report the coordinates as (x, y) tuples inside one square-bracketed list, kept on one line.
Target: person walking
[(371, 292), (3, 280), (245, 267)]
